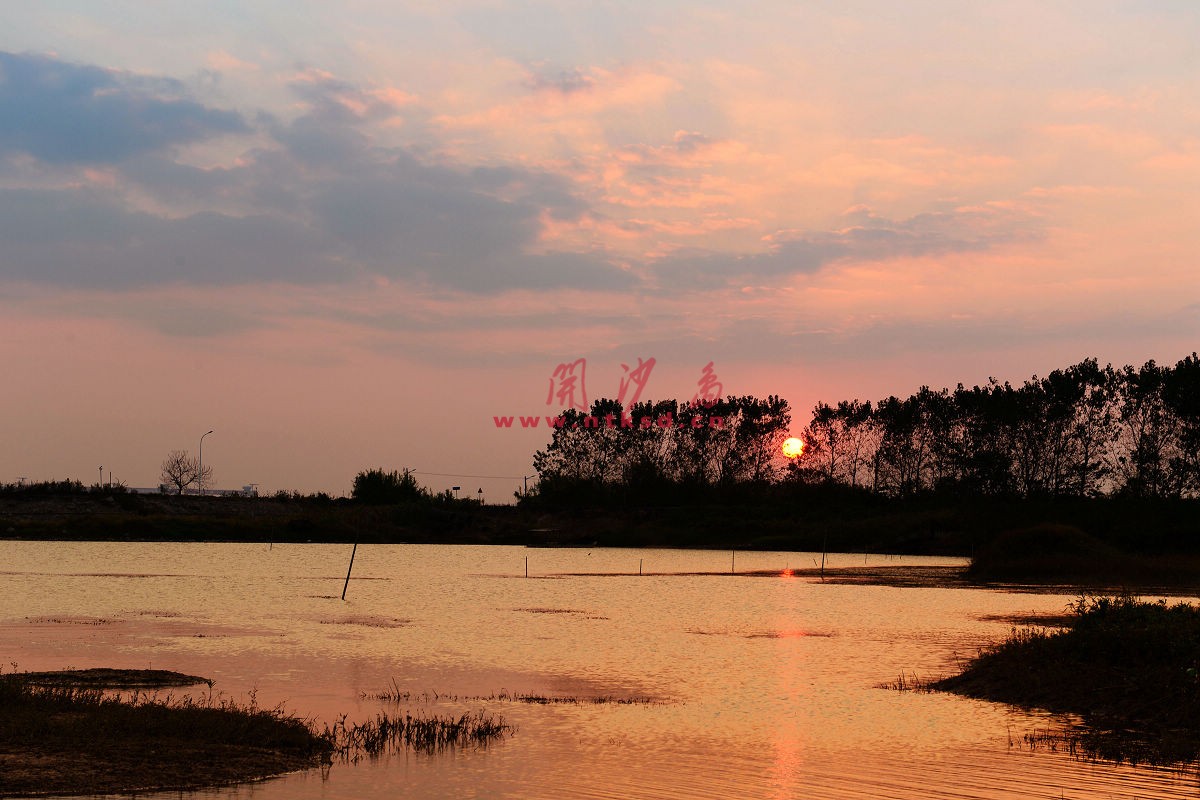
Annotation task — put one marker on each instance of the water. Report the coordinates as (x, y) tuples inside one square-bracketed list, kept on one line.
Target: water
[(769, 686)]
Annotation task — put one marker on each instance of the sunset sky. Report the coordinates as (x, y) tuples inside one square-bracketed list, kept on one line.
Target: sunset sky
[(348, 235)]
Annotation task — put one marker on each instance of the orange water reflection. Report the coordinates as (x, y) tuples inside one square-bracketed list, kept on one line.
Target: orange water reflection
[(770, 686)]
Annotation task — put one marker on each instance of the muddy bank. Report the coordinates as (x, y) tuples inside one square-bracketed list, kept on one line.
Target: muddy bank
[(1128, 668), (69, 733)]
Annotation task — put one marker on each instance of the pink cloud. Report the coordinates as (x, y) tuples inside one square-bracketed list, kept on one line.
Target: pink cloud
[(224, 61), (547, 109)]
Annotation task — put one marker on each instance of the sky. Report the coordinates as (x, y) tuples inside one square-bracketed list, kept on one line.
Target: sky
[(345, 236)]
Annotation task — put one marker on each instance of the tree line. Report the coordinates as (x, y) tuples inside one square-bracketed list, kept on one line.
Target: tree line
[(674, 449), (1082, 431), (380, 487)]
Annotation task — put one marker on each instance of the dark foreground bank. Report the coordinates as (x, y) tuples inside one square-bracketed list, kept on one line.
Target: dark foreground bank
[(807, 518), (59, 738), (1129, 668), (82, 732)]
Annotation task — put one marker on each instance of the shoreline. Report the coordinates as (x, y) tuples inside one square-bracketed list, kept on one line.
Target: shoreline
[(1099, 543), (74, 732), (1127, 668)]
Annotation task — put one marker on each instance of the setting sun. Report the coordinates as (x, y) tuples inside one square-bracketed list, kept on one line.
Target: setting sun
[(793, 447)]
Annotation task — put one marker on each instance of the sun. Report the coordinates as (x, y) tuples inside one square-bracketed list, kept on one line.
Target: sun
[(793, 447)]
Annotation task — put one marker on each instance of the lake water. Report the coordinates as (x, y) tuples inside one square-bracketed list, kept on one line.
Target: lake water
[(768, 687)]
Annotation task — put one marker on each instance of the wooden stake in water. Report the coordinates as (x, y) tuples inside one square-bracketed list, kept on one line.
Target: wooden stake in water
[(824, 547), (732, 560), (639, 566), (526, 566), (347, 583)]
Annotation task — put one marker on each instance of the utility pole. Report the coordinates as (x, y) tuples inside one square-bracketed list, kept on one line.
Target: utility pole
[(200, 471)]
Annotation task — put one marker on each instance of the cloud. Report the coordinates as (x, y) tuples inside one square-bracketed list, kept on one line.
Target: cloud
[(434, 233), (865, 238), (569, 105), (64, 113), (170, 181), (331, 195), (442, 224), (407, 219), (76, 237), (563, 81), (323, 203)]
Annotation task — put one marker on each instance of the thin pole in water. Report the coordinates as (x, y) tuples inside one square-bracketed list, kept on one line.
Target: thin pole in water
[(639, 566), (347, 583), (526, 566), (732, 560), (824, 547)]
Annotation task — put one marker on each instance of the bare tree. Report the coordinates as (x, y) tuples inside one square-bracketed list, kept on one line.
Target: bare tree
[(180, 470)]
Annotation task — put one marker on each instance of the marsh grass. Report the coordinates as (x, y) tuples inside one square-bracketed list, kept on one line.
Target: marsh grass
[(1129, 668), (58, 738), (394, 694), (909, 683), (112, 735), (423, 733), (541, 699)]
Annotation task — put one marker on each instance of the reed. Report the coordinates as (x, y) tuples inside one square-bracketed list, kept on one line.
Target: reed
[(909, 683), (1130, 668), (541, 699), (424, 733), (65, 739), (394, 694)]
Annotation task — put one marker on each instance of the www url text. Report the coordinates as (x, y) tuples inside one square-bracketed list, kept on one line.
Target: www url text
[(664, 421)]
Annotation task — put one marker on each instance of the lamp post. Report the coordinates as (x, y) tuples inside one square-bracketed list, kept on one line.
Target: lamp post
[(200, 469)]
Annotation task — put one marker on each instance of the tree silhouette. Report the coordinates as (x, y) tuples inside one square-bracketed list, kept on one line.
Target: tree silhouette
[(1082, 431), (655, 451), (180, 470), (376, 487)]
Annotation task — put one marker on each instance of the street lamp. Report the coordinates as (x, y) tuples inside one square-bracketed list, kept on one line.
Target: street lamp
[(200, 470)]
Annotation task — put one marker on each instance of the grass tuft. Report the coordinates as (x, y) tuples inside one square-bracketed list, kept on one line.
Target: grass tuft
[(395, 694), (423, 733), (1130, 668), (58, 738)]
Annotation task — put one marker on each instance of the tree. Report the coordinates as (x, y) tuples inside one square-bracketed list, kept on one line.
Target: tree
[(759, 427), (1181, 394), (1148, 433), (180, 470), (859, 436), (376, 487), (823, 437), (661, 451), (1093, 432), (910, 430), (982, 447)]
